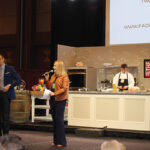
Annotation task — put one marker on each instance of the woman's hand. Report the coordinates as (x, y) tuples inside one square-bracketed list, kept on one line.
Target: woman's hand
[(52, 93), (47, 76)]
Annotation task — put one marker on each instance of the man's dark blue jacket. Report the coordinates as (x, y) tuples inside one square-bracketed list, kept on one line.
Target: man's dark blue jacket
[(11, 77)]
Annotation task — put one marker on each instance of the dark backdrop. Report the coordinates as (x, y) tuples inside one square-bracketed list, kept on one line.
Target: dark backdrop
[(79, 22), (31, 29)]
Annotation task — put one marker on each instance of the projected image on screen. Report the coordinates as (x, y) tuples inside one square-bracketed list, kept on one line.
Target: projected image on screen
[(129, 21)]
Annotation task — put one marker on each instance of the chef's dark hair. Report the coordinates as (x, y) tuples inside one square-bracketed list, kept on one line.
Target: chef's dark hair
[(124, 66)]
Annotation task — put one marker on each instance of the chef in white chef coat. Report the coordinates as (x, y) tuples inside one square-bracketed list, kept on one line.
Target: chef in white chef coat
[(123, 80)]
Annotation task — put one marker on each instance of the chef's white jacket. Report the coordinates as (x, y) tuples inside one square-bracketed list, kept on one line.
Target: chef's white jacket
[(124, 76)]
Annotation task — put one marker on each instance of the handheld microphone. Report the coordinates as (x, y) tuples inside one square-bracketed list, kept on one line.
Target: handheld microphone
[(51, 71)]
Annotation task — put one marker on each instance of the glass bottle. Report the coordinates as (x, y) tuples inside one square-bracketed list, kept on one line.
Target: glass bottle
[(114, 87)]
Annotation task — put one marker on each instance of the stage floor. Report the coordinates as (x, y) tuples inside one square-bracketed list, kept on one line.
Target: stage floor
[(37, 140), (80, 131)]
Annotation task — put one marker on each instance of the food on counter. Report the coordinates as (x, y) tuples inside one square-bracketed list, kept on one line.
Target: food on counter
[(134, 89)]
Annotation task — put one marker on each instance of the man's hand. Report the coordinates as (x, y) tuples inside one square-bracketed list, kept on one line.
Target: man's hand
[(6, 88), (125, 87), (120, 87)]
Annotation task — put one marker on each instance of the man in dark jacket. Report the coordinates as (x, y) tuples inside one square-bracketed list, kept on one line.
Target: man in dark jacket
[(8, 80)]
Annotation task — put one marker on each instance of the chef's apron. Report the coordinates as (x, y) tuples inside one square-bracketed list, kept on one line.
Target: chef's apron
[(123, 82)]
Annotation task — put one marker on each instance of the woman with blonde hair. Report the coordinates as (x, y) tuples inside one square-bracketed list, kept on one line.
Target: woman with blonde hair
[(58, 84)]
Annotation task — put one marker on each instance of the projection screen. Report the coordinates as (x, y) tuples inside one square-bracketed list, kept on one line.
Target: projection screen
[(129, 22)]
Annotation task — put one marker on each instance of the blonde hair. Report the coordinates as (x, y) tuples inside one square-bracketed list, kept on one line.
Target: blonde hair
[(60, 68), (112, 145)]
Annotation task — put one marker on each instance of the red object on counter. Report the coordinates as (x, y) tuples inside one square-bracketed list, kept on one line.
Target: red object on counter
[(147, 68)]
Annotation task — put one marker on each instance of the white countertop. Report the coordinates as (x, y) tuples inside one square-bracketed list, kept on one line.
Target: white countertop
[(109, 93)]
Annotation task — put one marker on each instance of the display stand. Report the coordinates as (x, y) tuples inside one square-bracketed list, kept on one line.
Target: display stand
[(39, 95)]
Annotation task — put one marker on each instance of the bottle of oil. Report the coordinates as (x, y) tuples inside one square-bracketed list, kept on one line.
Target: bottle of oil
[(114, 87)]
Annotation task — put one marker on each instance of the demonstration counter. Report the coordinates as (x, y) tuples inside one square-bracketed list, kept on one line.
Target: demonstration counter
[(119, 110)]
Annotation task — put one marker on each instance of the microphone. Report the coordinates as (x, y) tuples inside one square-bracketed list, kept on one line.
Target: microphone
[(51, 71)]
